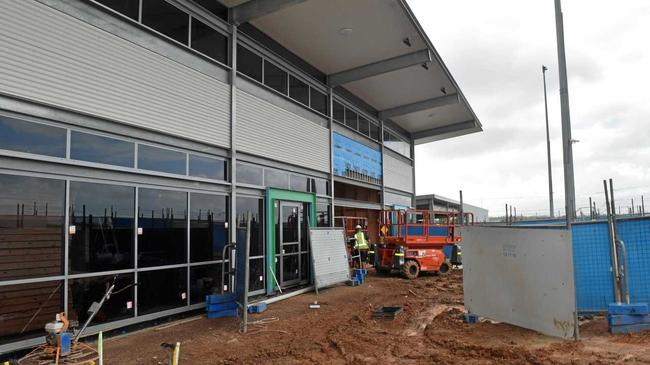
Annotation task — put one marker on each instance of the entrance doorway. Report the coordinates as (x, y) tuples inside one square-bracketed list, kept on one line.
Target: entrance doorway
[(292, 247)]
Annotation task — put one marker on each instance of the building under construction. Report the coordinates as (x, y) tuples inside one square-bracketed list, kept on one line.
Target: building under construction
[(136, 135)]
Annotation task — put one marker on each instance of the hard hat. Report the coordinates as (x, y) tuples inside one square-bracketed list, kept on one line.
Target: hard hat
[(358, 226)]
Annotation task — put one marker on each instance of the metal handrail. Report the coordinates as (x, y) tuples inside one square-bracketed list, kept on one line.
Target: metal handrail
[(231, 271), (625, 289)]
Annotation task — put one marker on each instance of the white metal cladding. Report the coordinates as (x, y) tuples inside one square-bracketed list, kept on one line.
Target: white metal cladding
[(267, 130), (329, 256), (53, 58), (398, 174), (522, 276)]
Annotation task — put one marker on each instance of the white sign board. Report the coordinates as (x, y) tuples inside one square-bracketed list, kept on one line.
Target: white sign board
[(329, 256), (522, 276)]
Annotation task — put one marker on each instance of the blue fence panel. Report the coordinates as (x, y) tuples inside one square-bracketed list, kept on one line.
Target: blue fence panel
[(635, 233), (592, 263)]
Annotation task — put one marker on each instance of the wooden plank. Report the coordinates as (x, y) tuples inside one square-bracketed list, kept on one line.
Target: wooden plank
[(27, 258), (29, 273), (31, 264), (15, 311), (29, 251), (35, 290), (31, 237), (32, 244)]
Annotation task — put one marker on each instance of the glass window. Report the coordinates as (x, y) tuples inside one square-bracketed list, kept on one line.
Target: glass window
[(31, 227), (162, 215), (161, 159), (205, 280), (275, 77), (161, 290), (318, 101), (396, 144), (256, 207), (21, 136), (364, 126), (214, 7), (256, 274), (350, 118), (321, 187), (299, 183), (374, 132), (209, 41), (20, 302), (305, 266), (339, 112), (94, 148), (249, 63), (207, 167), (166, 19), (83, 292), (323, 215), (130, 8), (208, 232), (103, 220), (276, 179), (248, 174), (298, 90)]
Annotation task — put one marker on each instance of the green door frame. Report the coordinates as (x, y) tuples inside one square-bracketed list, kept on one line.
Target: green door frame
[(273, 196)]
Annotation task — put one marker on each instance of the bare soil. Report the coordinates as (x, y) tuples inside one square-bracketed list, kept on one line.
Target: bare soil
[(429, 330)]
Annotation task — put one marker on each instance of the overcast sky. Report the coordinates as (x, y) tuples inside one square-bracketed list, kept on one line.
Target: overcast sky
[(495, 50)]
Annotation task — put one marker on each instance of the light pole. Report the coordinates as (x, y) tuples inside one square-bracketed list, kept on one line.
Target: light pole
[(548, 148), (567, 141)]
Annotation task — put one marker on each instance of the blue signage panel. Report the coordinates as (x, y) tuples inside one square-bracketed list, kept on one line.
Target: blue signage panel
[(356, 161)]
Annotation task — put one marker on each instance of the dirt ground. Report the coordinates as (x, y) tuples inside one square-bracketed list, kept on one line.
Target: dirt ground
[(429, 330)]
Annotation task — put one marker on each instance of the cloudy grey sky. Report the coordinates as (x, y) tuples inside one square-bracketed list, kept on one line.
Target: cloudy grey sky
[(495, 50)]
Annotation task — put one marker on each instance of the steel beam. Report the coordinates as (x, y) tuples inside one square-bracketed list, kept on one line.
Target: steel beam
[(445, 129), (377, 68), (254, 9), (419, 106)]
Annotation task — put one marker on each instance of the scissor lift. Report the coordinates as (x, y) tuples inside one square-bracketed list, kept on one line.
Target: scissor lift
[(413, 241)]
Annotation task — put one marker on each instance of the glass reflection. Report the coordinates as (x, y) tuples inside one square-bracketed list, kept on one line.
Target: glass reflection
[(210, 168), (160, 159), (208, 233), (19, 135), (161, 290), (204, 280), (93, 148), (162, 216), (20, 302), (83, 292), (103, 219), (31, 226)]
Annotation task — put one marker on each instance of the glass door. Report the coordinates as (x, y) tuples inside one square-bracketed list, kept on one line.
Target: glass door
[(290, 236)]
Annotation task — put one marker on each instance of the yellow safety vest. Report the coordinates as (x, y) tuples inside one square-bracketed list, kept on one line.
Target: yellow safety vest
[(362, 243)]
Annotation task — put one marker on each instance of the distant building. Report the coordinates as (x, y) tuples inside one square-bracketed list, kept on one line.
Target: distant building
[(437, 202)]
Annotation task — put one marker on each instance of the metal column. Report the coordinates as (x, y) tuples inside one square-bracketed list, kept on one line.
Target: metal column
[(383, 164), (567, 141), (232, 226), (413, 201), (330, 97)]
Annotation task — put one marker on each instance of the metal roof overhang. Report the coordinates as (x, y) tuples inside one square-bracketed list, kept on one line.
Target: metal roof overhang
[(378, 51)]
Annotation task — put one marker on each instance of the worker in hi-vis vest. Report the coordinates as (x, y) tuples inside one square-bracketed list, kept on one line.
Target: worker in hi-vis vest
[(361, 243)]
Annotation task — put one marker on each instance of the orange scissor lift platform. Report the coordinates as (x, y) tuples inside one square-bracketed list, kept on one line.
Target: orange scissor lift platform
[(413, 241)]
